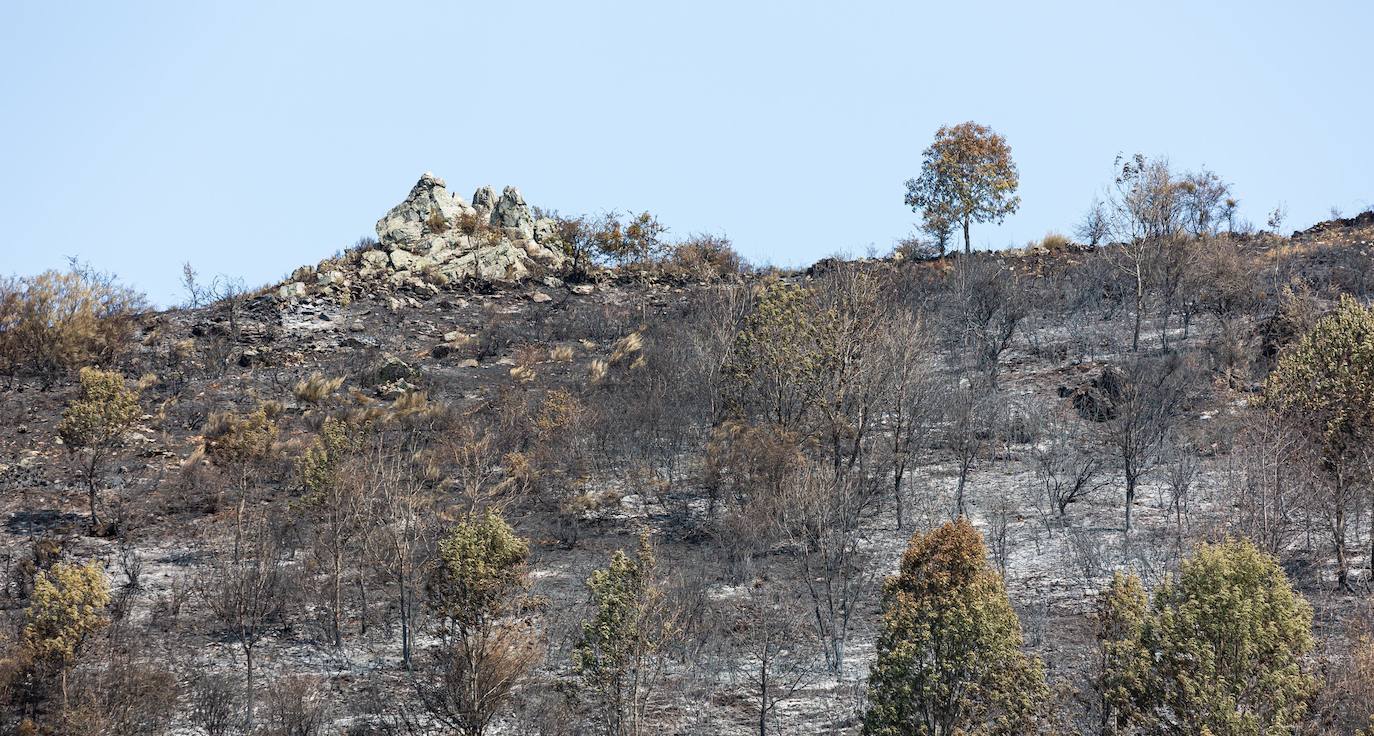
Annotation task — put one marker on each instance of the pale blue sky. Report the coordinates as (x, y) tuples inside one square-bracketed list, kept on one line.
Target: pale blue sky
[(250, 138)]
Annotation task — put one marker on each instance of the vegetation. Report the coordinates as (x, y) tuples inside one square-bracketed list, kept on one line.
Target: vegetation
[(949, 655), (58, 321), (967, 176), (1221, 650), (93, 424), (373, 508)]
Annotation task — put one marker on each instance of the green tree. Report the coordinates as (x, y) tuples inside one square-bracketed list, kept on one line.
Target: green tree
[(480, 578), (967, 176), (1220, 652), (93, 424), (949, 651), (67, 608), (621, 654), (337, 505), (1325, 383), (1125, 668), (776, 357)]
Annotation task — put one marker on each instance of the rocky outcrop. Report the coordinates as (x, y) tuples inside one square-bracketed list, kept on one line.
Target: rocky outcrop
[(435, 236), (1096, 400)]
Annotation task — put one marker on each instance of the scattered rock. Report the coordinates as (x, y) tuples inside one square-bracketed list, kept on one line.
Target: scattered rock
[(392, 369)]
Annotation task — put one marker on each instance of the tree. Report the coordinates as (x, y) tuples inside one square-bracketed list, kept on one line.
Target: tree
[(1326, 383), (336, 501), (949, 650), (775, 358), (1221, 650), (1151, 393), (822, 513), (244, 588), (1120, 619), (773, 649), (94, 422), (967, 176), (478, 581), (66, 609), (621, 654)]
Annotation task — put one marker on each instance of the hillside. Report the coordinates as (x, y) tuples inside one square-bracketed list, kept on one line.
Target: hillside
[(779, 436)]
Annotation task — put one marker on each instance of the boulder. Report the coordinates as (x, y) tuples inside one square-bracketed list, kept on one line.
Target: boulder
[(431, 228), (428, 210), (513, 216), (483, 203)]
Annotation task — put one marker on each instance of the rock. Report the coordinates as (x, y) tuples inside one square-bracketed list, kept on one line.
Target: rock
[(583, 289), (401, 260), (429, 209), (553, 282), (468, 363), (484, 202), (513, 215), (546, 231), (540, 297), (392, 369), (427, 229), (455, 336), (295, 290)]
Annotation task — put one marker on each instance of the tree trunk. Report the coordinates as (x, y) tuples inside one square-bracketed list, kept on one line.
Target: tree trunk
[(1139, 307), (968, 247), (248, 720)]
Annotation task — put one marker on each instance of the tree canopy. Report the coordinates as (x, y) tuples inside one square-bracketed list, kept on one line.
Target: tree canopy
[(967, 175)]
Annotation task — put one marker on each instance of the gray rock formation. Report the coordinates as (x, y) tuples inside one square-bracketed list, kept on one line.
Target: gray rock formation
[(436, 236)]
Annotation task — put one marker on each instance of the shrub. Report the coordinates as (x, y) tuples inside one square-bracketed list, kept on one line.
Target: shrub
[(706, 258), (60, 320), (94, 422), (1220, 651), (66, 610), (949, 652)]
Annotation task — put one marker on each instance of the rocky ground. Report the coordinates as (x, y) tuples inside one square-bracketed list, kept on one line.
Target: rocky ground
[(459, 314)]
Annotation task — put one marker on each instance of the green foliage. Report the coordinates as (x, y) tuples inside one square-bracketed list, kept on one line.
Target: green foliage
[(481, 564), (66, 609), (103, 409), (1121, 615), (1327, 378), (777, 357), (320, 468), (949, 652), (619, 655), (967, 175), (94, 422), (1220, 652), (232, 439)]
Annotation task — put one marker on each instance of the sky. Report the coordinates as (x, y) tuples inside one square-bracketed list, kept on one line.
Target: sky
[(249, 138)]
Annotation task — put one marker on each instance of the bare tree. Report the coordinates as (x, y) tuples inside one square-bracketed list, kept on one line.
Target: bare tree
[(822, 516), (399, 516), (1268, 482), (1153, 392), (243, 588), (773, 650), (970, 419), (912, 402), (1068, 469)]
